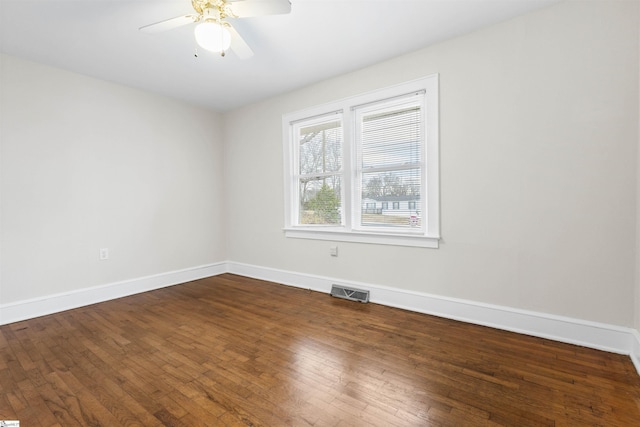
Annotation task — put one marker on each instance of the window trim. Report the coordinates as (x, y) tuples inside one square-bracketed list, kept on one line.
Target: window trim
[(430, 237)]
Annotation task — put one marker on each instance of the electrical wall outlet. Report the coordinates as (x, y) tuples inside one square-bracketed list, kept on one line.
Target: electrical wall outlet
[(104, 254), (333, 251)]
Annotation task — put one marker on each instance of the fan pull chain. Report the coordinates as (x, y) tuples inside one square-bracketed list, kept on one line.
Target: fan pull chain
[(221, 40)]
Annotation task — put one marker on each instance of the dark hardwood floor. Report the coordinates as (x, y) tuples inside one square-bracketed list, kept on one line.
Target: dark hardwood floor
[(233, 351)]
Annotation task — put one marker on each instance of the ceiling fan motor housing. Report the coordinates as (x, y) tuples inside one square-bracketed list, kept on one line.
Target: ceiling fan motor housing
[(218, 8)]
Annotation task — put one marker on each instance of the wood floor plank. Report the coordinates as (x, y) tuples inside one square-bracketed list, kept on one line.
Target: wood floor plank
[(235, 351)]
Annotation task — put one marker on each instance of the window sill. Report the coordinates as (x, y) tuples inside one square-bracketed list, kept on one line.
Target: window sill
[(420, 241)]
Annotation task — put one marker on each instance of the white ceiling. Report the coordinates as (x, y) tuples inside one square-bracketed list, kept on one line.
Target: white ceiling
[(317, 40)]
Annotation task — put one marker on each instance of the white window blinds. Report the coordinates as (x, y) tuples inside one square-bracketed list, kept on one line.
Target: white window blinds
[(390, 159)]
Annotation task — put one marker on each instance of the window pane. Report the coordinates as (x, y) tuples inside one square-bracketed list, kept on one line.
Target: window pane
[(320, 148), (392, 199), (391, 137), (320, 200)]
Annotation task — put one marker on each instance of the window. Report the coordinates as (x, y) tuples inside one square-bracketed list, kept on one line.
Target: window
[(349, 160), (319, 171)]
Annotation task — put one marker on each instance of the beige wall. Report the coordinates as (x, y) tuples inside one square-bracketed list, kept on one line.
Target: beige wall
[(539, 139), (87, 164)]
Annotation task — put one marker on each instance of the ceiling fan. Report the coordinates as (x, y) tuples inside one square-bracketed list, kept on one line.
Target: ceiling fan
[(213, 32)]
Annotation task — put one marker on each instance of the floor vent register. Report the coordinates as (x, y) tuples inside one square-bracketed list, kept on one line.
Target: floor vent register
[(349, 293)]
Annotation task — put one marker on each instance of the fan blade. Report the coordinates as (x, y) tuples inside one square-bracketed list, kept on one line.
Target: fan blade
[(169, 24), (248, 8), (238, 45)]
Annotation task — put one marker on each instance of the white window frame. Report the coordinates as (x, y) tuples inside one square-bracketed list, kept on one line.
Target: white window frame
[(429, 234)]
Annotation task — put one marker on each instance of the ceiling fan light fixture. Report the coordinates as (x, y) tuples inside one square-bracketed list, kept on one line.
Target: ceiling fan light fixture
[(213, 36)]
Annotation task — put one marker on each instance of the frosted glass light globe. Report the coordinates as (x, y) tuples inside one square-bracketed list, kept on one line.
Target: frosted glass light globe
[(212, 36)]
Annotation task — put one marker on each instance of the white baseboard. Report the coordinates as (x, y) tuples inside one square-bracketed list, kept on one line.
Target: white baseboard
[(28, 309), (611, 338), (635, 349), (600, 336)]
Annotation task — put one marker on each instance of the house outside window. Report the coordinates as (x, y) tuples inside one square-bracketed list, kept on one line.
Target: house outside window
[(349, 160)]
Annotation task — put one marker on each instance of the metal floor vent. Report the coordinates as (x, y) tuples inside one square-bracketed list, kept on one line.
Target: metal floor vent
[(349, 293)]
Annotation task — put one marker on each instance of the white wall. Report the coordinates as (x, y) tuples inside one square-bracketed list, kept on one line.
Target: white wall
[(539, 140), (87, 164)]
